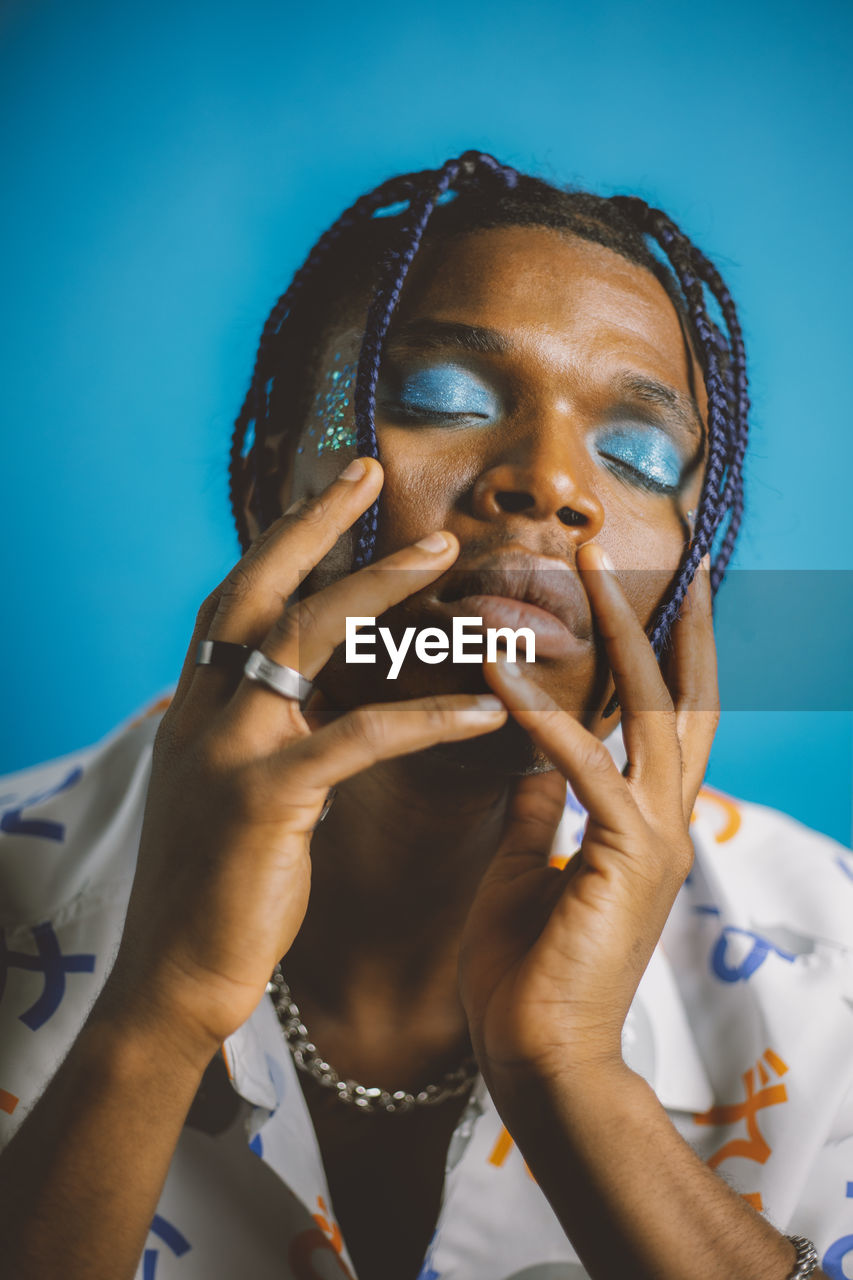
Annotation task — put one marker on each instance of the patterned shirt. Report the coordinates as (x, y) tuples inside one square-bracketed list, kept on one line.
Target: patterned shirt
[(742, 1024)]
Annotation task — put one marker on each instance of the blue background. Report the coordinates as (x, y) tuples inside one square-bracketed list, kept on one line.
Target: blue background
[(167, 166)]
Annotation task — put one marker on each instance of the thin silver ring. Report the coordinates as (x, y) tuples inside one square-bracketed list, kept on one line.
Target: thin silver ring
[(221, 653), (282, 680)]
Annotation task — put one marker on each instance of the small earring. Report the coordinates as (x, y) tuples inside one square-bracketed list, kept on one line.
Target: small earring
[(690, 516)]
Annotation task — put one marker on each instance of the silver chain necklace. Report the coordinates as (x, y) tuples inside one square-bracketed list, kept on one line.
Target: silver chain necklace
[(307, 1059)]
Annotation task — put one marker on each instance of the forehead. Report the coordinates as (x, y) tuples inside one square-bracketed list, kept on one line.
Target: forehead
[(554, 296)]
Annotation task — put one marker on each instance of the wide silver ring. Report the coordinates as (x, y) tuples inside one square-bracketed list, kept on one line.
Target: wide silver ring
[(282, 680)]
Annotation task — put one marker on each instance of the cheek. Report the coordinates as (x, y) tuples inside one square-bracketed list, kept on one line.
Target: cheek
[(646, 544), (422, 485)]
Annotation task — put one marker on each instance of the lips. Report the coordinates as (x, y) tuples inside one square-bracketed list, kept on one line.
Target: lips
[(521, 590)]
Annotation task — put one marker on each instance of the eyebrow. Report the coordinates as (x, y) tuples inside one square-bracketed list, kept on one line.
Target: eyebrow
[(660, 395), (443, 335), (438, 335)]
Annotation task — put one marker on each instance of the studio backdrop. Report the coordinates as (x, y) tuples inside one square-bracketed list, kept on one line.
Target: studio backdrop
[(167, 166)]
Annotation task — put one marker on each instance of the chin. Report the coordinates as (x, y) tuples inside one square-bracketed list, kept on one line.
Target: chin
[(506, 753)]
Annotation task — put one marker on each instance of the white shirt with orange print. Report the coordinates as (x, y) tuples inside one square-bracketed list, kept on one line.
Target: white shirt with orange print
[(743, 1025)]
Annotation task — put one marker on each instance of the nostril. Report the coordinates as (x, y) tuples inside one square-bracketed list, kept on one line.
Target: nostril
[(568, 515), (509, 501)]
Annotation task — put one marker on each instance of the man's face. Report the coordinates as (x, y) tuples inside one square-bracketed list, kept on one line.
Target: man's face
[(536, 393)]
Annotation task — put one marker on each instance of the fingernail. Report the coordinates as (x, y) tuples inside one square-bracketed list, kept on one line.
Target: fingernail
[(354, 471), (488, 705), (604, 559), (433, 542)]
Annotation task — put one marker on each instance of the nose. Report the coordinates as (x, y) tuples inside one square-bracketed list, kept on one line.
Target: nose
[(543, 476)]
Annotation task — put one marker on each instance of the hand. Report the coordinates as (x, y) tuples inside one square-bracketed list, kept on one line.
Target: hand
[(550, 958), (241, 774)]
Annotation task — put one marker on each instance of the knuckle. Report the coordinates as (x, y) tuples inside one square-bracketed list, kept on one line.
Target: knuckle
[(435, 714), (316, 511), (666, 716), (207, 611), (236, 587), (286, 628), (596, 759), (167, 738), (682, 858), (322, 513), (290, 625), (366, 727)]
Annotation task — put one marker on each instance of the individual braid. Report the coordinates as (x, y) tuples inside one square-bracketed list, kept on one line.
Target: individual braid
[(255, 409), (728, 405), (381, 310)]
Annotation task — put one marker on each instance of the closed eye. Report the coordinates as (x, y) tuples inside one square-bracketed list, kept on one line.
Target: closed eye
[(442, 393), (643, 455)]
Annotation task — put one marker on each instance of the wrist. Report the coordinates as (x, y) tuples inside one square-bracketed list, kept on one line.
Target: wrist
[(132, 1028), (563, 1086)]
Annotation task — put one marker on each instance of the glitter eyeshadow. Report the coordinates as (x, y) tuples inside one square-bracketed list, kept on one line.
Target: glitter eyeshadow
[(647, 450), (332, 426)]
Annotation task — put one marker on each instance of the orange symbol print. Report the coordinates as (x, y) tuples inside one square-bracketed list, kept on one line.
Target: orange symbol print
[(330, 1229), (501, 1150), (729, 812), (755, 1146), (8, 1101), (324, 1238)]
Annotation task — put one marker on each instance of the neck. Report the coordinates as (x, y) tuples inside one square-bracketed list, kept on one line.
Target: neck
[(395, 868)]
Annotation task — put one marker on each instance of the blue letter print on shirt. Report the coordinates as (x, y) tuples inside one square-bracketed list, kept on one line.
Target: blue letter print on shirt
[(427, 1271), (170, 1236), (52, 963), (14, 825), (838, 1251), (761, 949)]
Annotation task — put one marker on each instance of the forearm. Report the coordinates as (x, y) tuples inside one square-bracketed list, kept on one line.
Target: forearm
[(632, 1196), (81, 1178)]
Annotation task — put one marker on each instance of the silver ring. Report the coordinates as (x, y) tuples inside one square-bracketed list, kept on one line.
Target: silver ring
[(282, 680), (221, 653)]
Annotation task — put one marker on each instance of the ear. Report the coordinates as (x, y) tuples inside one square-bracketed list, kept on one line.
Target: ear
[(246, 489)]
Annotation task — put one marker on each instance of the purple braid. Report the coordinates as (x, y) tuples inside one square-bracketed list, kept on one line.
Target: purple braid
[(382, 308), (728, 406), (255, 409)]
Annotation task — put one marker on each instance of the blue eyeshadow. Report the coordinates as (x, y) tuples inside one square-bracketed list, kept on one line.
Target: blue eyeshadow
[(444, 389), (645, 449)]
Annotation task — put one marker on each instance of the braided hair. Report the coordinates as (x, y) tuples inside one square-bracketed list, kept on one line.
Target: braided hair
[(372, 246)]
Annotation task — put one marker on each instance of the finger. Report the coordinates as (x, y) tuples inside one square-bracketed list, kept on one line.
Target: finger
[(648, 716), (254, 593), (306, 634), (691, 673), (533, 816), (577, 753), (204, 618), (244, 606), (369, 734)]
